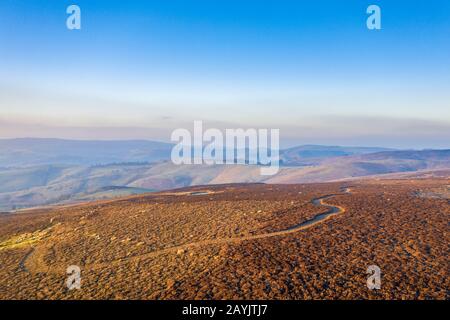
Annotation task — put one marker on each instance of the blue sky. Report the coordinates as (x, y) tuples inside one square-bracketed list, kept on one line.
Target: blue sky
[(310, 68)]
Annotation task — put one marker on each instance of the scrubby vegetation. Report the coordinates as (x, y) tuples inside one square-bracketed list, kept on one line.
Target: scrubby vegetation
[(223, 242)]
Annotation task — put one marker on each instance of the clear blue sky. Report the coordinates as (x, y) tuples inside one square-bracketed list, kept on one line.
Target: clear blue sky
[(139, 69)]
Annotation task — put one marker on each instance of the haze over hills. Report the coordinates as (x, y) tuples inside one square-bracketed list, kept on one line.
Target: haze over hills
[(314, 154), (50, 171), (37, 151), (372, 164)]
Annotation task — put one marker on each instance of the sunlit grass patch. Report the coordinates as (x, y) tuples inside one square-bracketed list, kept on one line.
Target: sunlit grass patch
[(24, 239)]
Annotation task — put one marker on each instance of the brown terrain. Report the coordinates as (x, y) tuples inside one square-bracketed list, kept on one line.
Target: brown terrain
[(241, 241)]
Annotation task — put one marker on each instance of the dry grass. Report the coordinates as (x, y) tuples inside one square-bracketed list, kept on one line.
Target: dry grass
[(176, 245)]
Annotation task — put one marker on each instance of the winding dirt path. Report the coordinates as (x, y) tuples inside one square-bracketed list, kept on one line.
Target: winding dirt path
[(22, 266), (39, 266)]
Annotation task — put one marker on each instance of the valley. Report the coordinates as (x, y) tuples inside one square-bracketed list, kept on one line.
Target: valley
[(64, 178)]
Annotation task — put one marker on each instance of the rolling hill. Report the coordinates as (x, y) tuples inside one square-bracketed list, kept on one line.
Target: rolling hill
[(314, 154), (36, 151), (51, 184)]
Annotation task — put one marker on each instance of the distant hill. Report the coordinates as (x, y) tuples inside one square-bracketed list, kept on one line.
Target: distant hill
[(314, 154), (35, 151), (436, 155), (372, 164), (49, 184), (47, 171)]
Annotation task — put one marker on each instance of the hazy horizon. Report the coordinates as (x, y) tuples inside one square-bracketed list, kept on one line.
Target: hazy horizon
[(283, 145)]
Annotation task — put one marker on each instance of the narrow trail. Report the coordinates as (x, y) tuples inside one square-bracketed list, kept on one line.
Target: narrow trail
[(22, 266), (317, 219)]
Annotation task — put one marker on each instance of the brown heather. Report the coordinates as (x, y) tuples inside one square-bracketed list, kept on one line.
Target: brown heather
[(227, 244)]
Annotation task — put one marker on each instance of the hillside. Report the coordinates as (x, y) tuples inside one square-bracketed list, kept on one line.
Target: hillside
[(371, 164), (22, 187), (314, 154), (35, 151), (248, 241)]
